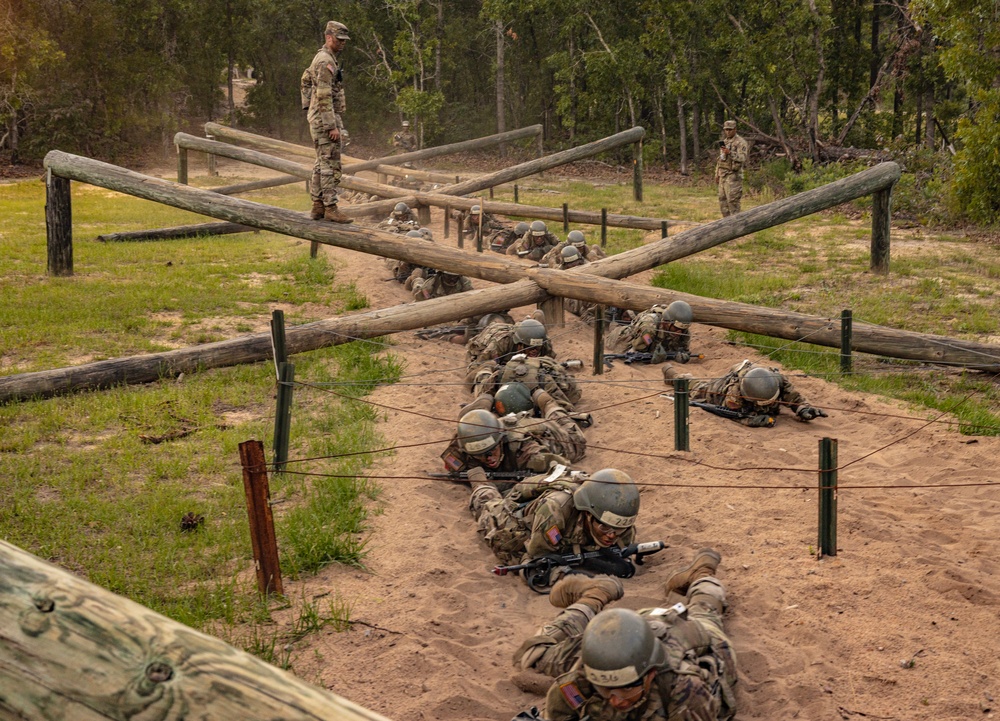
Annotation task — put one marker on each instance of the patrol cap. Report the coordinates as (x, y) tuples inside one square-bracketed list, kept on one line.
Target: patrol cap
[(406, 123), (338, 30), (729, 125)]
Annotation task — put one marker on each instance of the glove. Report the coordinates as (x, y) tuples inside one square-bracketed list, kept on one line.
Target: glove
[(761, 421), (477, 475), (807, 413), (682, 356)]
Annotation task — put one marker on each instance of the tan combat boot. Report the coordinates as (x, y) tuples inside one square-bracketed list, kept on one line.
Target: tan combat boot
[(333, 214), (317, 211), (706, 563), (596, 591), (545, 402)]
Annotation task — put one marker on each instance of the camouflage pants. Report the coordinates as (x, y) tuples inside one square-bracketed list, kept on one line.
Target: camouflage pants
[(564, 436), (326, 170), (499, 522), (730, 192)]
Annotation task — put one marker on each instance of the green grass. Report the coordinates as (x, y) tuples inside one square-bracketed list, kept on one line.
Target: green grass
[(86, 486)]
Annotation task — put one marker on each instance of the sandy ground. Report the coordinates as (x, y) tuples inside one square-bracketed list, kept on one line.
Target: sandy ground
[(901, 624)]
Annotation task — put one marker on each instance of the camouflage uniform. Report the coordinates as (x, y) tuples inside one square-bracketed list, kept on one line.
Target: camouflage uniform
[(590, 253), (541, 372), (502, 239), (402, 223), (470, 224), (537, 517), (725, 392), (404, 141), (696, 683), (534, 247), (550, 425), (496, 342), (645, 335), (729, 174), (322, 87), (402, 271), (438, 285)]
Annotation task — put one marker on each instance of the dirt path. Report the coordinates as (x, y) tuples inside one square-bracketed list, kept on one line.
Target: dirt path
[(900, 625)]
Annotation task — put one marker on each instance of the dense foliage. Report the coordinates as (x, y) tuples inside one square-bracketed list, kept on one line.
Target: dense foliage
[(806, 78)]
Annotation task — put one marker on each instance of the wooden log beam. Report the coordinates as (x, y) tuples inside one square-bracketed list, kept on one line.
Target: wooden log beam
[(627, 137), (72, 650), (256, 185), (176, 232), (773, 322), (260, 141)]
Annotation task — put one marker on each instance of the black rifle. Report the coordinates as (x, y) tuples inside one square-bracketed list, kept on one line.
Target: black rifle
[(634, 356), (432, 333), (613, 561), (727, 412), (490, 475)]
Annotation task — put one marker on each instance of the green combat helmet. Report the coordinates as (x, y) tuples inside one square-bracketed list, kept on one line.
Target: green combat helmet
[(619, 649), (426, 234), (680, 314), (513, 398), (400, 210), (610, 496), (475, 210), (414, 234), (576, 238), (479, 432), (520, 229), (538, 227), (760, 384), (570, 256), (530, 333)]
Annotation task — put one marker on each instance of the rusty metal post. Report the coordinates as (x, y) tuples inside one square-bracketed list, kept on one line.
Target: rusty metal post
[(262, 537)]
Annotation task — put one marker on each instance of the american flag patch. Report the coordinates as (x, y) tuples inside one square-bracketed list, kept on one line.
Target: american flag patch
[(572, 695), (553, 535), (452, 462)]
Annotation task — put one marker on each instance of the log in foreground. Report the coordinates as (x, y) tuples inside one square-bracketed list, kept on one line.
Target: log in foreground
[(178, 231), (72, 650)]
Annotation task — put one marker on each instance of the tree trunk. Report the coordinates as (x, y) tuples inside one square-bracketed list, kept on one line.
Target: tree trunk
[(230, 60), (929, 117), (779, 129), (661, 123), (682, 135), (696, 132), (501, 124), (876, 54)]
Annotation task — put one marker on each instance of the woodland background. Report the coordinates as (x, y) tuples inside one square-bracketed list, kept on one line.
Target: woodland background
[(810, 80)]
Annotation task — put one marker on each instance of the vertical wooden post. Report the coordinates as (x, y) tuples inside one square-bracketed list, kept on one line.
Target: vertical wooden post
[(663, 229), (515, 193), (262, 537), (461, 231), (846, 331), (491, 192), (212, 170), (604, 227), (637, 171), (278, 341), (381, 177), (827, 543), (479, 227), (283, 415), (447, 220), (313, 249), (881, 217), (58, 225), (682, 438), (553, 309), (424, 215), (182, 166), (565, 217), (599, 340)]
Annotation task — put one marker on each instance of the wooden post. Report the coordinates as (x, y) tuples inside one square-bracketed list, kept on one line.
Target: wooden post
[(846, 328), (424, 215), (381, 177), (197, 230), (265, 543), (182, 166), (278, 341), (58, 225), (553, 309), (598, 340), (491, 192), (881, 217), (313, 249), (604, 227), (663, 229), (637, 171), (565, 217), (515, 192), (283, 415), (212, 171), (461, 231), (447, 220), (682, 439), (827, 543)]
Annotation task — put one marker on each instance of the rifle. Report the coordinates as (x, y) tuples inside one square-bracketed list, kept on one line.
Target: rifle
[(721, 411), (531, 714), (613, 561), (634, 356), (462, 476), (432, 333)]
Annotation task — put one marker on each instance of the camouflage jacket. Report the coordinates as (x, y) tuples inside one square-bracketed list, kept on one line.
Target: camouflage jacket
[(530, 249), (645, 335), (490, 224), (696, 683), (402, 224), (732, 163), (404, 141), (725, 392), (322, 83), (437, 285), (521, 451), (496, 342), (590, 253), (556, 431)]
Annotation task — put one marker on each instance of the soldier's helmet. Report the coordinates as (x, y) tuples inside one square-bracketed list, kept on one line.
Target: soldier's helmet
[(529, 332), (576, 238), (489, 319), (426, 234), (538, 227), (513, 398), (521, 228), (338, 30), (406, 123), (570, 256), (679, 313), (610, 496), (400, 209), (619, 648), (479, 432), (475, 210), (414, 234), (760, 384)]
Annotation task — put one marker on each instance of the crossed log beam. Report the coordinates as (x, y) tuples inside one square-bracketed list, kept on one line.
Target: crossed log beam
[(523, 284)]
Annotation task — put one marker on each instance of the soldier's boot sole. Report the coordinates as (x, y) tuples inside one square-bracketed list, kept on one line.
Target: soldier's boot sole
[(706, 563)]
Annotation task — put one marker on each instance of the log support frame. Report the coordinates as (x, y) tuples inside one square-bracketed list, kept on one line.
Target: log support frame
[(58, 225), (881, 220)]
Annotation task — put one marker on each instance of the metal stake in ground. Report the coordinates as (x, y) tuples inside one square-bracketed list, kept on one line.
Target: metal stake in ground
[(827, 543), (262, 537), (846, 330), (682, 440), (604, 227), (283, 415), (598, 340), (278, 340)]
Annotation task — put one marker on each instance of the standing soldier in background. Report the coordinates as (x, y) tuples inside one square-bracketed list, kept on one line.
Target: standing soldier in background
[(323, 98), (729, 169), (404, 141)]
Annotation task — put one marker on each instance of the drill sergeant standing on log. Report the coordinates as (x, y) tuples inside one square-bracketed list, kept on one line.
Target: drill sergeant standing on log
[(323, 99)]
